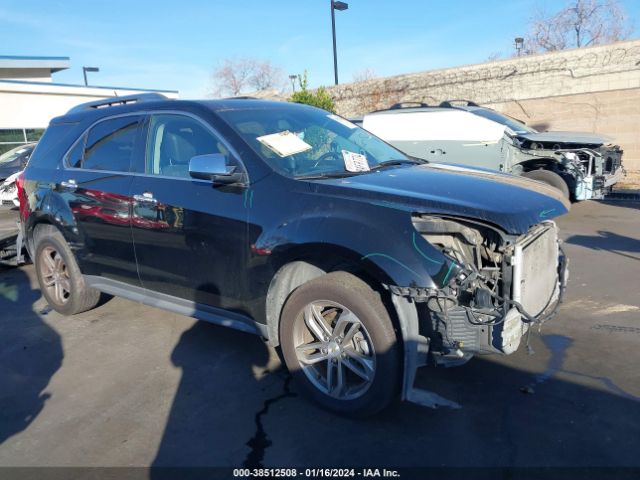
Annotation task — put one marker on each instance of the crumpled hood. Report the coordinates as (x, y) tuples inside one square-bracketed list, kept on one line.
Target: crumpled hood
[(567, 137), (513, 203)]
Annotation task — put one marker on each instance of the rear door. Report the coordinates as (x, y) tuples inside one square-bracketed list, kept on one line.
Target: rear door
[(190, 236), (95, 184)]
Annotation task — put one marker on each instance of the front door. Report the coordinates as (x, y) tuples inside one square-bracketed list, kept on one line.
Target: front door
[(190, 236)]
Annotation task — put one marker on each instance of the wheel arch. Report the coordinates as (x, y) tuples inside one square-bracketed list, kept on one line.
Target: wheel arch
[(30, 231), (544, 163), (305, 264)]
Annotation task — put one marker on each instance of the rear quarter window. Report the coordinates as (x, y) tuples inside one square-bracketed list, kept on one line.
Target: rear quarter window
[(110, 144)]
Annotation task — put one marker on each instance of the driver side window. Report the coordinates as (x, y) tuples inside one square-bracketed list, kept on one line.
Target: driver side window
[(173, 140)]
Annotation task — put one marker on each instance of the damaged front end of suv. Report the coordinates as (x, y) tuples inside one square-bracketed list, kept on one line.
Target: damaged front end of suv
[(496, 287), (588, 163), (501, 285)]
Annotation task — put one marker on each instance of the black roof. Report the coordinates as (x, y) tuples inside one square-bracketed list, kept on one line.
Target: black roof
[(152, 101)]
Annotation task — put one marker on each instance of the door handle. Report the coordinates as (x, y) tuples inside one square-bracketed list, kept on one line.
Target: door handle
[(69, 184), (146, 197)]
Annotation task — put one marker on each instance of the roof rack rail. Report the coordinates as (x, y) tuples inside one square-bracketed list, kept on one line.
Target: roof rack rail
[(399, 105), (450, 103), (111, 101)]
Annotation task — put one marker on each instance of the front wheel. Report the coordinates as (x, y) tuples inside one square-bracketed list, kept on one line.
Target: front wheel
[(550, 178), (339, 344)]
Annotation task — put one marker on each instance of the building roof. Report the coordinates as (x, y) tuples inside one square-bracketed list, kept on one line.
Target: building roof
[(84, 87), (54, 64)]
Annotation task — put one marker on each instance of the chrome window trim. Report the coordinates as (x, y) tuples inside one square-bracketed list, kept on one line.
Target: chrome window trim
[(143, 114)]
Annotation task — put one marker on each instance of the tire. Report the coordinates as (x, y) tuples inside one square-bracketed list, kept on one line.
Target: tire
[(550, 178), (359, 337), (60, 279)]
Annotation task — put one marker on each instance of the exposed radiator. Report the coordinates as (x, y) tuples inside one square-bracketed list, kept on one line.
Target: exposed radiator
[(535, 269)]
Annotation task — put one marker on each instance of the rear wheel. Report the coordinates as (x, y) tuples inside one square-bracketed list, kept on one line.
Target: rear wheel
[(550, 178), (339, 344), (60, 279)]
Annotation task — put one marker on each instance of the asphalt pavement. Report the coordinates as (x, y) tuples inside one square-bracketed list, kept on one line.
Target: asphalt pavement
[(130, 385)]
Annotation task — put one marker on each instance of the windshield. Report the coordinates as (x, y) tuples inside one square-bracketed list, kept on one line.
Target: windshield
[(301, 141), (513, 124), (12, 155)]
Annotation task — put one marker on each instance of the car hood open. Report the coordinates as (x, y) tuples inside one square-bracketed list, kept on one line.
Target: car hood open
[(510, 202)]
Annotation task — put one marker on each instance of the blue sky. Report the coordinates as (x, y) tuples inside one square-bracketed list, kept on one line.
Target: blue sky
[(176, 45)]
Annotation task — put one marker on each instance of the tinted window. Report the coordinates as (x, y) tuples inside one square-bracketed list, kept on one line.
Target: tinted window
[(512, 123), (174, 140), (110, 144)]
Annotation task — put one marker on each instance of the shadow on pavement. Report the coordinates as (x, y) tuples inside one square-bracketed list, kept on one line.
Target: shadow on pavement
[(630, 204), (218, 381), (30, 354), (608, 241), (222, 415)]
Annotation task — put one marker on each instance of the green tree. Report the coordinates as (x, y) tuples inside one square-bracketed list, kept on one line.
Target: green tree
[(319, 98)]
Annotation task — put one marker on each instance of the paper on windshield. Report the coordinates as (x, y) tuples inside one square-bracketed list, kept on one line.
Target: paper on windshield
[(355, 162), (284, 143), (341, 120)]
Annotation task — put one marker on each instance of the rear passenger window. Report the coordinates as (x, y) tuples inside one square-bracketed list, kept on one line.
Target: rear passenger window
[(110, 144)]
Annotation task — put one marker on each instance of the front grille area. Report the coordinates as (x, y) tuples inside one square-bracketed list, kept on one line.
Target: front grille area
[(535, 269)]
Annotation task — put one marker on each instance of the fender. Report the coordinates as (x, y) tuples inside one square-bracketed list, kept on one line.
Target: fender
[(344, 229), (46, 207)]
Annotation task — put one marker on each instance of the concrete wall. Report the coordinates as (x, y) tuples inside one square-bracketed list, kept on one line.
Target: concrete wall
[(33, 105), (594, 89), (615, 113)]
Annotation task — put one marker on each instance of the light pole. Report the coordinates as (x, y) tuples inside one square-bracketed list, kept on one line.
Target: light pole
[(88, 69), (293, 78), (519, 44), (341, 6)]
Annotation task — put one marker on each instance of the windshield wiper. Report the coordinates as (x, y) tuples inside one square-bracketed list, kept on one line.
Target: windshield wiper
[(395, 163), (388, 163), (328, 175)]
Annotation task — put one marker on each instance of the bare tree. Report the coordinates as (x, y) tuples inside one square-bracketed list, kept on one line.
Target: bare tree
[(364, 75), (266, 76), (238, 75), (582, 23)]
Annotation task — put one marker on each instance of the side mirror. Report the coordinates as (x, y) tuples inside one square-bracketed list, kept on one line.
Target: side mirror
[(213, 167)]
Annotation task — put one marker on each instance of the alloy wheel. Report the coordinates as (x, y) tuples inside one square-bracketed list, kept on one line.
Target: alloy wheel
[(334, 350), (55, 276)]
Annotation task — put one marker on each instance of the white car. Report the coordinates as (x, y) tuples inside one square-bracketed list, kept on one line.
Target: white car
[(9, 191), (580, 165)]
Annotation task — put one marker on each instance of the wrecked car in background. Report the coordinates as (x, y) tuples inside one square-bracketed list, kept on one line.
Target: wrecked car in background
[(360, 263), (581, 165), (9, 191), (15, 160)]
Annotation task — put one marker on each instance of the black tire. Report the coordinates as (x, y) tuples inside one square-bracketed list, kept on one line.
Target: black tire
[(78, 298), (361, 300), (550, 178)]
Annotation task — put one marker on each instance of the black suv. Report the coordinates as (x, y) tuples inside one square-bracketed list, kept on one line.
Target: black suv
[(361, 264)]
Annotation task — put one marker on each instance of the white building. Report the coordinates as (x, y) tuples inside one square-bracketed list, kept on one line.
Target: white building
[(29, 98)]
